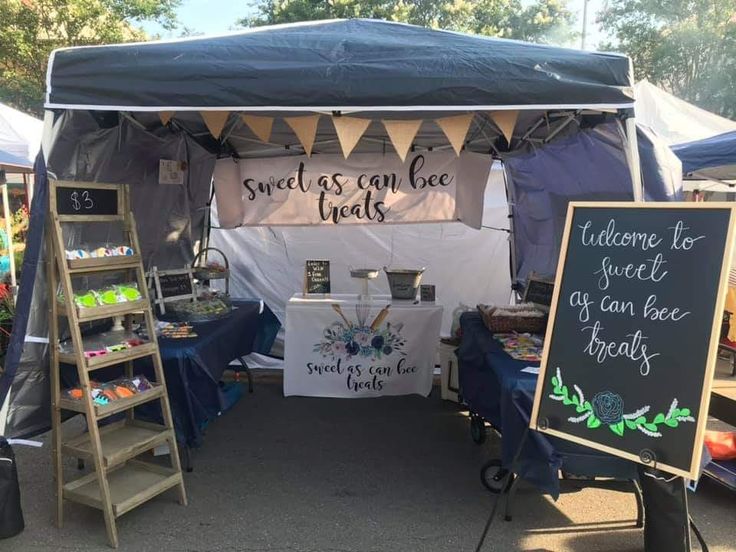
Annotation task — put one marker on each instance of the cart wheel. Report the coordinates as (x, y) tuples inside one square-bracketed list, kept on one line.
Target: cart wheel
[(492, 476), (477, 429)]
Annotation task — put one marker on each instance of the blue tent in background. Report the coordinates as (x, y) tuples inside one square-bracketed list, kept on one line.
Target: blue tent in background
[(711, 158)]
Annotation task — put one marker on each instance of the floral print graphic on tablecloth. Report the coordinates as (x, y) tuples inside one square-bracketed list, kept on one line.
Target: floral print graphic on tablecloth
[(347, 340)]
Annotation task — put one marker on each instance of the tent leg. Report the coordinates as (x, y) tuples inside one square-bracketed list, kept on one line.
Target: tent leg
[(634, 163)]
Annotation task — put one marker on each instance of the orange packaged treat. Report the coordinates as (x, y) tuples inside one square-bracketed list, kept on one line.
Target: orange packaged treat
[(122, 391)]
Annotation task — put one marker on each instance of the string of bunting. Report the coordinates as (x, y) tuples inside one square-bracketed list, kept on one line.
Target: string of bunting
[(349, 130)]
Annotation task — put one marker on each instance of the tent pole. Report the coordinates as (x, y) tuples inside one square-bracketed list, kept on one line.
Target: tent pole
[(511, 201), (634, 163)]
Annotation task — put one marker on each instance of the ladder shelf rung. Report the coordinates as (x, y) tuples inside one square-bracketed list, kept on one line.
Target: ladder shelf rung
[(110, 359), (131, 484), (103, 264), (120, 441), (107, 311), (113, 407)]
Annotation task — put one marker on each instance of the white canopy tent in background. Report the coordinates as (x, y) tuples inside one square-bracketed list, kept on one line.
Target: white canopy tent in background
[(20, 134), (674, 120)]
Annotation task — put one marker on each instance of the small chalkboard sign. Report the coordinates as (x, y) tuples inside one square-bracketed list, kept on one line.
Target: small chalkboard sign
[(427, 293), (172, 285), (634, 324), (87, 199), (317, 277), (538, 290)]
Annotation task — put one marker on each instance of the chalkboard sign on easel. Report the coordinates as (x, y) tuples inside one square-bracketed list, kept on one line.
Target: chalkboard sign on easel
[(631, 345), (87, 201), (317, 277), (172, 285)]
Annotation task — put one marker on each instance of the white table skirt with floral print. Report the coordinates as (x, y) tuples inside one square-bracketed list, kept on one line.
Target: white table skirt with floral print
[(343, 346)]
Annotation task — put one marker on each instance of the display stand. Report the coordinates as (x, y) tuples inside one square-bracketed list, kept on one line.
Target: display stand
[(120, 481)]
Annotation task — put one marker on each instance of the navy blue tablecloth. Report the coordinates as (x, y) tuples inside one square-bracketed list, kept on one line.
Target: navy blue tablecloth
[(493, 386), (194, 366)]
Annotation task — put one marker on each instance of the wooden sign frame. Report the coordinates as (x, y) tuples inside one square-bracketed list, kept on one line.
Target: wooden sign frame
[(693, 472), (159, 299), (121, 209)]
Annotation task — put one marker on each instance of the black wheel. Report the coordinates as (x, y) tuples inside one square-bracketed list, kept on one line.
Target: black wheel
[(477, 429), (492, 475)]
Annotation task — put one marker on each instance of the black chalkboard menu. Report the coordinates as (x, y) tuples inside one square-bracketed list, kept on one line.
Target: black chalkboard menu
[(317, 277), (87, 199), (631, 345), (176, 284)]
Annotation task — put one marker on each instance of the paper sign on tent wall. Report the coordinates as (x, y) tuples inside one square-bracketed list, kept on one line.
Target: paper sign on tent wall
[(363, 189)]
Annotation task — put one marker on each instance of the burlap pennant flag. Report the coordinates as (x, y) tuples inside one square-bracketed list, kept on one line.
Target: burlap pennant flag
[(305, 129), (349, 131), (165, 116), (260, 126), (505, 121), (456, 129), (215, 121), (402, 134)]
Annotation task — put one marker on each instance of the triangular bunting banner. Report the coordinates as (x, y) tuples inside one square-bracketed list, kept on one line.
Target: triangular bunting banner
[(401, 134), (456, 129), (505, 121), (349, 130), (165, 116), (215, 121), (305, 129), (260, 126)]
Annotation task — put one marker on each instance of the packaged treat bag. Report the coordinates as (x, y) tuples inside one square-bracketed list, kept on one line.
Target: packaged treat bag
[(11, 515)]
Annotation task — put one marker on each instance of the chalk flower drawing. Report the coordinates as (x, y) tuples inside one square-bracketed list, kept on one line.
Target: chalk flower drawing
[(607, 408)]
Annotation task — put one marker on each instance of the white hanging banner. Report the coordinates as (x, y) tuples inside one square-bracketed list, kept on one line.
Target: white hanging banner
[(364, 189)]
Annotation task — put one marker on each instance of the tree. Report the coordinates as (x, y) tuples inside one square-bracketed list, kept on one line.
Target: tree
[(538, 21), (31, 29), (687, 47)]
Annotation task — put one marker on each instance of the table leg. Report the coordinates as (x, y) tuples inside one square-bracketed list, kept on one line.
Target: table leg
[(247, 373)]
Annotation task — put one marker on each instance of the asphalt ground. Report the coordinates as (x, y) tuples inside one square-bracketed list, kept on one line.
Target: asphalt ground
[(306, 475)]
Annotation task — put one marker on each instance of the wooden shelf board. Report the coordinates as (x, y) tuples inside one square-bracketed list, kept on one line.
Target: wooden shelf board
[(110, 359), (120, 441), (103, 264), (108, 311), (131, 484), (102, 411)]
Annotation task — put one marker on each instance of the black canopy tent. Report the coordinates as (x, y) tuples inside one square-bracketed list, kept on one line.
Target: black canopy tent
[(337, 65), (103, 103)]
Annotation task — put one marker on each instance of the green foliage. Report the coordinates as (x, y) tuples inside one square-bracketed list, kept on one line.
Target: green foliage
[(31, 29), (547, 21), (686, 47)]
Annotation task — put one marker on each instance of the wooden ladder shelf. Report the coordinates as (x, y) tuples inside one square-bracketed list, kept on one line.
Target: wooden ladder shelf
[(120, 480)]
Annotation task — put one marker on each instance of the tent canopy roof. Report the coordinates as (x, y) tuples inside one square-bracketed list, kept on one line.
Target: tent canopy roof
[(713, 157), (339, 65)]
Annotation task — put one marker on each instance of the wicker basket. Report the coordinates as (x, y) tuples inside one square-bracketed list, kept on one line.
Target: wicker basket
[(523, 318), (202, 272)]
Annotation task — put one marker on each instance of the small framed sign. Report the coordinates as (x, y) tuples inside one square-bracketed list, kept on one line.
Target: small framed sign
[(172, 285), (427, 293), (171, 172), (317, 277), (87, 201), (539, 291)]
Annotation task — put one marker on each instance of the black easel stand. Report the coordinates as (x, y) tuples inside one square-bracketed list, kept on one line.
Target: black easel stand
[(504, 485), (667, 521)]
